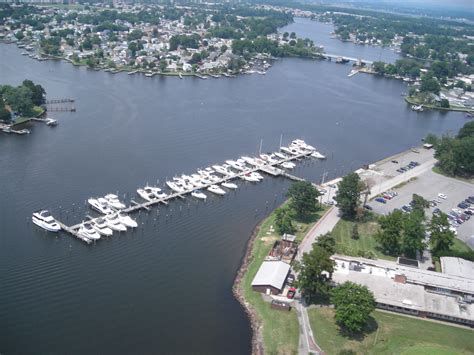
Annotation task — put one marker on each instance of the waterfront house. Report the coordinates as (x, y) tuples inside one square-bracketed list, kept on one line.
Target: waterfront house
[(270, 278)]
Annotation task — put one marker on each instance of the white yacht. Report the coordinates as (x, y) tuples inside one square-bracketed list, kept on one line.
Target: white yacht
[(100, 205), (221, 170), (126, 220), (250, 161), (86, 230), (101, 227), (146, 194), (114, 223), (198, 194), (174, 186), (302, 144), (216, 189), (250, 177), (229, 185), (114, 201), (318, 155), (287, 165), (280, 155), (45, 220), (268, 158), (235, 165), (291, 150)]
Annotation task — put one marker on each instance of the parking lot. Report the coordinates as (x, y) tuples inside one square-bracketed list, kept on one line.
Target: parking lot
[(429, 185)]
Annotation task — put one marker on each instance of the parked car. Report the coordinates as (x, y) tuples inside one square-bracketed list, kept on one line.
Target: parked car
[(463, 205), (367, 207), (291, 293), (380, 199), (407, 208), (436, 211), (400, 170), (443, 196), (394, 161), (290, 279)]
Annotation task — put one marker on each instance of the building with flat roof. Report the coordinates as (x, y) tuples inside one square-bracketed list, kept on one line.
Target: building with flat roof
[(409, 290), (271, 276), (457, 267)]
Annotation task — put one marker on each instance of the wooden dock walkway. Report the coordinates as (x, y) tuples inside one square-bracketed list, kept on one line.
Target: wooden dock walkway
[(269, 168)]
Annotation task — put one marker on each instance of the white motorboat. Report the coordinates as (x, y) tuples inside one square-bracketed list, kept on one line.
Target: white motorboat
[(249, 177), (114, 223), (229, 185), (145, 194), (249, 160), (302, 144), (100, 205), (114, 201), (221, 170), (268, 158), (174, 186), (126, 220), (292, 150), (198, 194), (287, 165), (236, 165), (51, 122), (318, 155), (216, 189), (280, 155), (257, 175), (101, 227), (45, 220), (260, 162), (86, 230)]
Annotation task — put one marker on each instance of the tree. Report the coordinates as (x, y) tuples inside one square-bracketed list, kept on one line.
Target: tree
[(429, 84), (163, 65), (441, 237), (431, 139), (224, 48), (303, 198), (419, 203), (37, 92), (314, 272), (327, 242), (348, 195), (292, 35), (283, 221), (353, 303), (19, 99), (413, 234), (285, 35), (389, 235), (466, 131), (444, 103), (379, 67)]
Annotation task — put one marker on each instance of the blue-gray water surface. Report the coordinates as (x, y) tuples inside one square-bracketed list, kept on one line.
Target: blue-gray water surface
[(166, 288)]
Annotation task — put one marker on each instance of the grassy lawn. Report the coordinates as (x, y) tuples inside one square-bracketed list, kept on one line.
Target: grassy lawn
[(392, 334), (280, 328), (366, 242)]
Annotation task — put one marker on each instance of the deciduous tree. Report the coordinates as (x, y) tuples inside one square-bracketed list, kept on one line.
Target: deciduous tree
[(348, 195), (303, 198)]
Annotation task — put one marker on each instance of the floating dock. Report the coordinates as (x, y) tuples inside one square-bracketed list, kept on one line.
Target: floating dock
[(269, 168)]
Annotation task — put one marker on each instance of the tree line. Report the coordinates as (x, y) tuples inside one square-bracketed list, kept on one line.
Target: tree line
[(20, 99)]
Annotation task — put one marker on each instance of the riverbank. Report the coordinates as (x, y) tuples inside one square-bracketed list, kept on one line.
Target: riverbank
[(413, 101), (274, 331)]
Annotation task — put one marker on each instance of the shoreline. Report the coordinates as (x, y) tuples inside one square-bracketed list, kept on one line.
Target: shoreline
[(256, 326)]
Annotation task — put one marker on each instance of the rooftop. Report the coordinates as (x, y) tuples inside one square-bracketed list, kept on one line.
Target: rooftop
[(271, 273), (457, 267)]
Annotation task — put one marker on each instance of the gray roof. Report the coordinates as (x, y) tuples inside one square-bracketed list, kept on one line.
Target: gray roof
[(457, 267), (271, 273)]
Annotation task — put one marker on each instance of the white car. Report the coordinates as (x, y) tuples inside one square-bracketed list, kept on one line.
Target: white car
[(443, 196)]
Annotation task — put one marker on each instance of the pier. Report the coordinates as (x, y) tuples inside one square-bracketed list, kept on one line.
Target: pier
[(351, 59), (58, 101), (269, 168)]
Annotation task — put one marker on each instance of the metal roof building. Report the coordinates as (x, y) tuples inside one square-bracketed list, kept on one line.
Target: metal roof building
[(457, 267), (271, 276)]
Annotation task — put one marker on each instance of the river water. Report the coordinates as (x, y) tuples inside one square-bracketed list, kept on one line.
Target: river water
[(166, 288)]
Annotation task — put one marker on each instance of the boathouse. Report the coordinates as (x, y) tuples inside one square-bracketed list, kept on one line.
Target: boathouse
[(270, 278)]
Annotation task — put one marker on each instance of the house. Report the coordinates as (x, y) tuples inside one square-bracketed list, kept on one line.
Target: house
[(270, 278)]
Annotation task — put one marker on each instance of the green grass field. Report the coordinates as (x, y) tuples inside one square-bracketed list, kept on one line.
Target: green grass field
[(393, 334), (366, 242), (280, 328)]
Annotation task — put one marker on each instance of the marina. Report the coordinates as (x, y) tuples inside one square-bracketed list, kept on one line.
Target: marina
[(114, 212)]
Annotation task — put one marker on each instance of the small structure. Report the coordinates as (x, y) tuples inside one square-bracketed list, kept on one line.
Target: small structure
[(271, 277), (284, 249), (427, 146), (284, 306)]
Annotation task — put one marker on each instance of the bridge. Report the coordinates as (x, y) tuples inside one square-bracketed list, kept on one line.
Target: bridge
[(351, 59)]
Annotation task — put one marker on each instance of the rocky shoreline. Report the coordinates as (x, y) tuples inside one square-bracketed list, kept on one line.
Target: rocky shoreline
[(238, 291)]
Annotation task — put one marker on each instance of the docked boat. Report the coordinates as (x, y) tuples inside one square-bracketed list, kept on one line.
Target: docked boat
[(229, 185), (101, 227), (175, 187), (146, 194), (318, 155), (287, 165), (280, 155), (114, 223), (268, 158), (221, 170), (249, 160), (216, 189), (51, 122), (302, 144), (100, 205), (45, 220), (417, 108), (251, 177), (114, 202), (87, 231), (235, 165), (126, 220), (198, 194)]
